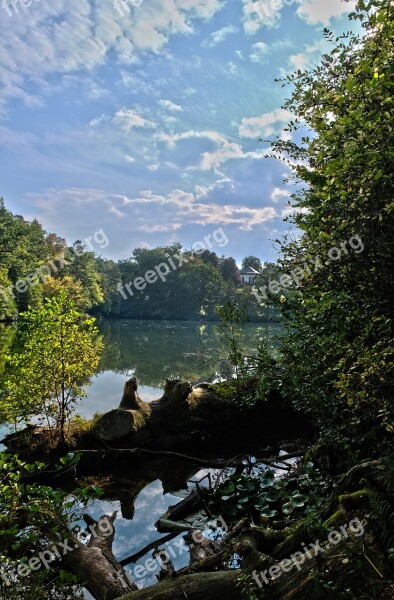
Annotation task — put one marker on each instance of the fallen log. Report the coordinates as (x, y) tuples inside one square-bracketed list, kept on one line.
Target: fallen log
[(206, 586), (95, 563), (187, 415)]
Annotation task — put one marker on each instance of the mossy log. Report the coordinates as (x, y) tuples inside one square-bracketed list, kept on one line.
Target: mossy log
[(190, 416), (206, 586), (310, 579)]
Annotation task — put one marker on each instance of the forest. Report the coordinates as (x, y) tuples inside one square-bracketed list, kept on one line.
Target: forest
[(35, 265)]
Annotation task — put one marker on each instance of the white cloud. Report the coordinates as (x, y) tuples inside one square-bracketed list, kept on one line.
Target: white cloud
[(203, 190), (98, 120), (212, 160), (299, 61), (228, 151), (265, 125), (293, 210), (128, 119), (172, 139), (174, 210), (171, 106), (231, 68), (65, 36), (220, 35), (160, 228), (203, 9), (259, 52), (260, 13), (130, 159), (279, 193), (322, 11)]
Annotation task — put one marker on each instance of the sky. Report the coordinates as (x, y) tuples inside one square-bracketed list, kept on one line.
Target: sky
[(142, 117)]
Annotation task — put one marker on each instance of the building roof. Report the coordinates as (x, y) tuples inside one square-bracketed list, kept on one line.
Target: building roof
[(249, 271)]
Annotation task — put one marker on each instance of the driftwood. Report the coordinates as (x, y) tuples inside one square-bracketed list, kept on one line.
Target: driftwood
[(95, 563), (117, 453)]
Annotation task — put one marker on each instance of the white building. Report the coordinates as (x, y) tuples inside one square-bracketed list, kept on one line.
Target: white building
[(248, 276)]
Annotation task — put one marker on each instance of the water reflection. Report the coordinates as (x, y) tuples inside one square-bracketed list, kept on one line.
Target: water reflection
[(155, 350), (135, 530)]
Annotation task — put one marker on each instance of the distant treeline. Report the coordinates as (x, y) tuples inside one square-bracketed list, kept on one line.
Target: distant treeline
[(35, 265)]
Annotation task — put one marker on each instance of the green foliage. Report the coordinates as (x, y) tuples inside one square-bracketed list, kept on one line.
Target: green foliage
[(57, 352), (191, 289), (382, 505), (32, 518), (247, 585), (82, 268), (339, 351), (25, 248), (273, 498), (253, 262), (232, 318), (255, 376)]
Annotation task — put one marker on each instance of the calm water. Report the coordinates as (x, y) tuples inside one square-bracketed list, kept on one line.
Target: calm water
[(152, 351)]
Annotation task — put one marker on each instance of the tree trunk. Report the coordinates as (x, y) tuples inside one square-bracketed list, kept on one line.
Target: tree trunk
[(200, 586), (96, 564)]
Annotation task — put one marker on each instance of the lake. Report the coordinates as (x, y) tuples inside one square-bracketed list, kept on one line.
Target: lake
[(155, 350)]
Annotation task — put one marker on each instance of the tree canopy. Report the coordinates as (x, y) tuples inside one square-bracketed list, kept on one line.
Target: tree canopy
[(339, 351)]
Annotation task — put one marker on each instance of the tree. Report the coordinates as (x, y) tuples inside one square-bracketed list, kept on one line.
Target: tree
[(23, 248), (57, 351), (229, 270), (53, 287), (110, 278), (210, 257), (232, 318), (339, 351), (253, 262), (199, 289), (82, 267)]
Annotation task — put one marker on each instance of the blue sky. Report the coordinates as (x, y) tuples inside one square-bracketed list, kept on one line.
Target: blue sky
[(143, 119)]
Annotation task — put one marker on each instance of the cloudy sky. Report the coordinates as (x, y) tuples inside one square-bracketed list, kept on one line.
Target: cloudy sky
[(142, 117)]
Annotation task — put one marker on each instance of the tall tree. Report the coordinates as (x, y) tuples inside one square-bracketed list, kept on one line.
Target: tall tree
[(57, 352), (229, 270), (81, 265), (253, 262), (23, 248), (339, 350)]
